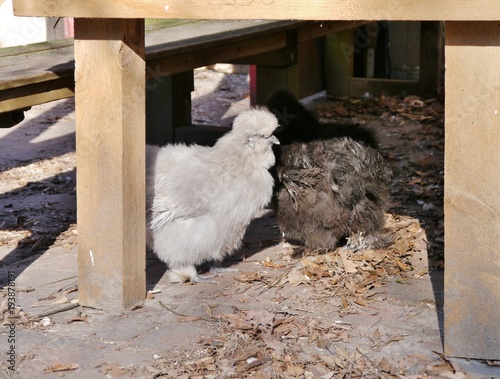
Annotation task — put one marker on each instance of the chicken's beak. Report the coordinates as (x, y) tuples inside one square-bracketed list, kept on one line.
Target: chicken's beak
[(273, 140)]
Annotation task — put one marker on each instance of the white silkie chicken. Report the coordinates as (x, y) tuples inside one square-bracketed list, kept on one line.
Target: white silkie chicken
[(200, 199)]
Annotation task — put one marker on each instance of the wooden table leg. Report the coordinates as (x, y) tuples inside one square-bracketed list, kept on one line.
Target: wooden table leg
[(110, 149), (472, 190)]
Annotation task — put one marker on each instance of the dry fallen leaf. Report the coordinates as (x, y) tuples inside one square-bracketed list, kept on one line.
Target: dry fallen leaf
[(56, 367), (329, 360), (273, 343), (249, 277), (349, 265), (260, 318), (272, 265), (388, 101), (296, 277), (294, 370), (401, 265), (414, 101), (112, 370)]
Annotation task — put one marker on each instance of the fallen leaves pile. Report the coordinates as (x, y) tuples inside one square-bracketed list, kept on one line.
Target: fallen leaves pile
[(297, 339), (265, 345)]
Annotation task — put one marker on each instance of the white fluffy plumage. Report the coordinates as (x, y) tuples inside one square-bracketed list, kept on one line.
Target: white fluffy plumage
[(200, 199)]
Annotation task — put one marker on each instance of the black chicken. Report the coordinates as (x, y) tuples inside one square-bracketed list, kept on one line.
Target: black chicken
[(332, 181)]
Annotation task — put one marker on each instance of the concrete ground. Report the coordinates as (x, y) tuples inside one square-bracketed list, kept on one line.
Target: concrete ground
[(398, 333)]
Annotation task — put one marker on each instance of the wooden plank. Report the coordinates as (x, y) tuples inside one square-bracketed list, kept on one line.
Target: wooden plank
[(110, 149), (339, 54), (431, 57), (213, 33), (472, 196), (35, 47), (168, 64), (284, 57), (303, 75), (359, 86), (485, 10), (311, 61), (36, 93), (324, 28), (43, 72), (38, 67), (269, 79), (183, 47)]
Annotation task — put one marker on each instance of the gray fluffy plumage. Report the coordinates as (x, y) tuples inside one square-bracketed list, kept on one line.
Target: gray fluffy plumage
[(333, 182), (330, 190), (200, 199)]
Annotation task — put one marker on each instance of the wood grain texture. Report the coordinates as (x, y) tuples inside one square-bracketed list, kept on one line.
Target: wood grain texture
[(472, 196), (110, 149), (36, 93), (266, 9), (43, 72)]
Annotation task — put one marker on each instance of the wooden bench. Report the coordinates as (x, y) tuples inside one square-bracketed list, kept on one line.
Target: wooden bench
[(43, 72)]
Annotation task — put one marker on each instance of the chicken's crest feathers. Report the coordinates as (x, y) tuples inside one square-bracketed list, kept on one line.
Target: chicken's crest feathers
[(250, 141), (255, 122)]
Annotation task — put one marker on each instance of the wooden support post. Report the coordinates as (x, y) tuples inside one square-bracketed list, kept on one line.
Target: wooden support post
[(298, 68), (431, 60), (110, 149), (339, 55), (472, 195), (268, 77), (168, 105)]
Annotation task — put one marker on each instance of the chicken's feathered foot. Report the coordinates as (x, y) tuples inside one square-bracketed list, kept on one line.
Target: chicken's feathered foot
[(188, 273)]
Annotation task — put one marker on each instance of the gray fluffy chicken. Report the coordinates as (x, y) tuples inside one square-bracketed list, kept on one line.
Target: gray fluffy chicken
[(200, 199), (333, 182)]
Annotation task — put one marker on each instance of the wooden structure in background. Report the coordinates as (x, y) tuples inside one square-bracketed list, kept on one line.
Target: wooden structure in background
[(340, 55), (42, 72), (109, 141)]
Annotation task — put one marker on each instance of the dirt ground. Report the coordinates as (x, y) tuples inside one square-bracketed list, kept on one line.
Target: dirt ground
[(287, 313)]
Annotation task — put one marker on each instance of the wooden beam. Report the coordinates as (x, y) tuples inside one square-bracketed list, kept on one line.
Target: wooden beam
[(180, 62), (431, 57), (432, 10), (110, 150), (269, 79), (36, 93), (324, 28), (472, 197)]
